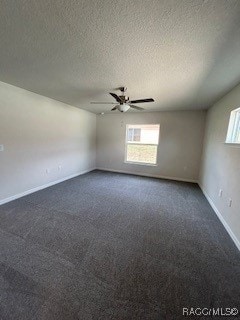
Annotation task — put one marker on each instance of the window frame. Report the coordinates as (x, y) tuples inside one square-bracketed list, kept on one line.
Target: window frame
[(138, 143), (233, 125)]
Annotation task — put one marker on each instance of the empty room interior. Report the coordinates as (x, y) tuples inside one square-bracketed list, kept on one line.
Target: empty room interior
[(119, 159)]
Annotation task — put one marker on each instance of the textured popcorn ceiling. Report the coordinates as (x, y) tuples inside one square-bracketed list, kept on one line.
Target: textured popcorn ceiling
[(184, 54)]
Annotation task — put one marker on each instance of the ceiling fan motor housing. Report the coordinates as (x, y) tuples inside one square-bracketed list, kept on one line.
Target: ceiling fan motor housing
[(123, 98)]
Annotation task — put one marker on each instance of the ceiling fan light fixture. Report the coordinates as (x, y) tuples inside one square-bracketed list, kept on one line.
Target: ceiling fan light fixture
[(123, 107), (123, 103)]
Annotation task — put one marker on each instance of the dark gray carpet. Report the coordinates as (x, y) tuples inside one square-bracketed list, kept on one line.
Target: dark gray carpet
[(113, 246)]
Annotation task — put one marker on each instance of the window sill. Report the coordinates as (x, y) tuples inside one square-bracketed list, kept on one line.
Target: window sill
[(141, 163), (233, 144)]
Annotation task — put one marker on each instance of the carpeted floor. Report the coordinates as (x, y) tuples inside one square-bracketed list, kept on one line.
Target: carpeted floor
[(113, 246)]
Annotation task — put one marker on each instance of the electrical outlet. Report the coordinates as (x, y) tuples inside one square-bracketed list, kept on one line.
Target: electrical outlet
[(1, 147), (229, 202), (220, 193), (47, 171)]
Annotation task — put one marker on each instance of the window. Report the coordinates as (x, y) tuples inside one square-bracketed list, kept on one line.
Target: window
[(233, 134), (134, 134), (142, 143)]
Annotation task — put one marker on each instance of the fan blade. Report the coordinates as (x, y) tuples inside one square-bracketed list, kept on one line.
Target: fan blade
[(135, 107), (114, 108), (142, 100), (103, 102), (115, 96)]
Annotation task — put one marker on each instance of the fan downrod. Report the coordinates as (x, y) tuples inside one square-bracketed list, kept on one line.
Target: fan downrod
[(123, 89)]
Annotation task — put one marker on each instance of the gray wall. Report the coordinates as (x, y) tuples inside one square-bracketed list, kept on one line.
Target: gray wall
[(180, 146), (221, 163), (39, 133)]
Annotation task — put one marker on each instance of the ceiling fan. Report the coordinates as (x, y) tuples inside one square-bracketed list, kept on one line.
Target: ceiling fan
[(123, 102)]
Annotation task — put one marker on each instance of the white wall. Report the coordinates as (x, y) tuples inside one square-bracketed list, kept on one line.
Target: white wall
[(221, 164), (39, 133), (180, 146)]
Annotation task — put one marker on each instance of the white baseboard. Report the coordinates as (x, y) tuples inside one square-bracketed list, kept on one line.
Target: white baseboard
[(148, 175), (22, 194), (220, 217)]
